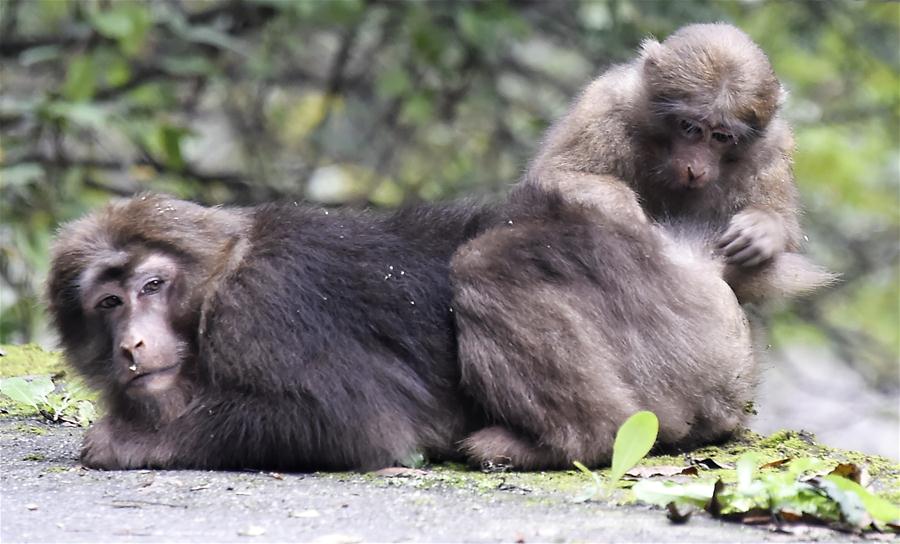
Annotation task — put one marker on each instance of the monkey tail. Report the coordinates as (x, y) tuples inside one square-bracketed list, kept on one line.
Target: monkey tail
[(788, 275)]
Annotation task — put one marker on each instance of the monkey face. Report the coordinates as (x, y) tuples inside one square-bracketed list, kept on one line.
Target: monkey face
[(132, 298), (696, 151)]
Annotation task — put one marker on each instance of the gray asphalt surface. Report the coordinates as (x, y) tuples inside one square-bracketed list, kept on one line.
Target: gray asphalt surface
[(48, 497)]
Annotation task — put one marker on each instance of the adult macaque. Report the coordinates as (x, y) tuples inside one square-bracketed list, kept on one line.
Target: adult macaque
[(276, 337), (569, 322), (690, 131)]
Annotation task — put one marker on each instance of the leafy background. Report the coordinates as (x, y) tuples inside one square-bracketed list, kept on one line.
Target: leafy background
[(380, 103)]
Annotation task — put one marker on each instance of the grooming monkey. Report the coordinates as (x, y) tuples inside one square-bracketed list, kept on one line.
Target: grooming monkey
[(690, 133), (600, 296)]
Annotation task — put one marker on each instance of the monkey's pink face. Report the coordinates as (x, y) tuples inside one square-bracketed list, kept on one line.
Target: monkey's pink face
[(134, 299), (696, 153)]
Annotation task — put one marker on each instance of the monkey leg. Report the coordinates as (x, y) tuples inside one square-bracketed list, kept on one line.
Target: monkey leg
[(497, 447), (533, 353)]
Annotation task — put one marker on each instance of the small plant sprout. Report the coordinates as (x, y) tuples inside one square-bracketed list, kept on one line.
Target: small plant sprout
[(634, 439)]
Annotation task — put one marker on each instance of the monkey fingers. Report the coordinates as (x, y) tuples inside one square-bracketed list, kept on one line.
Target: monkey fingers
[(751, 255)]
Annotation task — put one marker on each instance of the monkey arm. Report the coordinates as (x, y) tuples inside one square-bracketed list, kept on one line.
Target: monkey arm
[(768, 224), (606, 194), (227, 432)]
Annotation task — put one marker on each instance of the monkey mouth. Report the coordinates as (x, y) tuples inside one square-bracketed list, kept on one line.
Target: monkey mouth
[(146, 379)]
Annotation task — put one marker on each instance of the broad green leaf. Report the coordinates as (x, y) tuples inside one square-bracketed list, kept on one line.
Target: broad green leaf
[(80, 113), (114, 23), (21, 174), (418, 109), (633, 441), (746, 469), (81, 78), (170, 138), (36, 55), (414, 460), (878, 508), (662, 493), (27, 391), (126, 22), (852, 508), (86, 413), (392, 82)]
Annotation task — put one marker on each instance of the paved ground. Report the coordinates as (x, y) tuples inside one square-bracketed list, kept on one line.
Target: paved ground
[(48, 497)]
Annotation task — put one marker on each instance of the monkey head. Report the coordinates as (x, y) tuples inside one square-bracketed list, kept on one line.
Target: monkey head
[(710, 91), (132, 296), (126, 288)]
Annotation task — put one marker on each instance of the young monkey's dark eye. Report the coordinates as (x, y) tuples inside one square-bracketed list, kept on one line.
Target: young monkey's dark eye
[(109, 302), (151, 286), (722, 137), (689, 127)]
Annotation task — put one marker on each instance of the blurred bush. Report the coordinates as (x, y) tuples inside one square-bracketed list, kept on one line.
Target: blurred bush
[(379, 103)]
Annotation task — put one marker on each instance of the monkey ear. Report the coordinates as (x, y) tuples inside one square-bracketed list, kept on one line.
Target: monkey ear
[(651, 50)]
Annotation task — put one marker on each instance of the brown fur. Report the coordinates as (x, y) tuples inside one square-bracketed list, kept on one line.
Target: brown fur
[(617, 146), (278, 337), (569, 323)]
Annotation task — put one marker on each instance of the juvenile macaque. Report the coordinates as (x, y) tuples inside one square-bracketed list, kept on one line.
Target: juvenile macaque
[(570, 321), (690, 131), (275, 337)]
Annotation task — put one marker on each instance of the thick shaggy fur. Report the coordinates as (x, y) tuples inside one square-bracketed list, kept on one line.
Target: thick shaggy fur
[(613, 150), (317, 339), (568, 325)]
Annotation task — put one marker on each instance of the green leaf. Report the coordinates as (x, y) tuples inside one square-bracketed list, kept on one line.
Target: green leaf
[(878, 508), (662, 493), (126, 22), (81, 78), (417, 109), (589, 472), (86, 413), (21, 174), (746, 469), (36, 55), (81, 113), (31, 392), (170, 138), (392, 82), (113, 23), (414, 460), (633, 441)]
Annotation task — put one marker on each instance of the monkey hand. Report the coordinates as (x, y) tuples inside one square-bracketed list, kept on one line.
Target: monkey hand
[(111, 446), (752, 238), (98, 449)]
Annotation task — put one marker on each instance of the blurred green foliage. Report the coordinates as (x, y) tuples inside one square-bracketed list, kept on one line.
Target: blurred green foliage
[(377, 103)]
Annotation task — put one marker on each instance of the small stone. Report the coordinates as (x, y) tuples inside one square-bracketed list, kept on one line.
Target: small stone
[(305, 514), (253, 530)]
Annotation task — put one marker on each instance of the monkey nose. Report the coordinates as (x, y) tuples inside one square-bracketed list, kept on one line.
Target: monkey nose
[(129, 346), (695, 178)]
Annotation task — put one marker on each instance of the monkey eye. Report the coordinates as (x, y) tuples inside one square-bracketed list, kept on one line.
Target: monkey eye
[(722, 137), (689, 128), (108, 302), (151, 286)]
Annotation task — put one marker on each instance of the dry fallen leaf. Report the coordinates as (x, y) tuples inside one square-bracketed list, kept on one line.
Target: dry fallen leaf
[(852, 472), (662, 470), (402, 472), (776, 464)]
